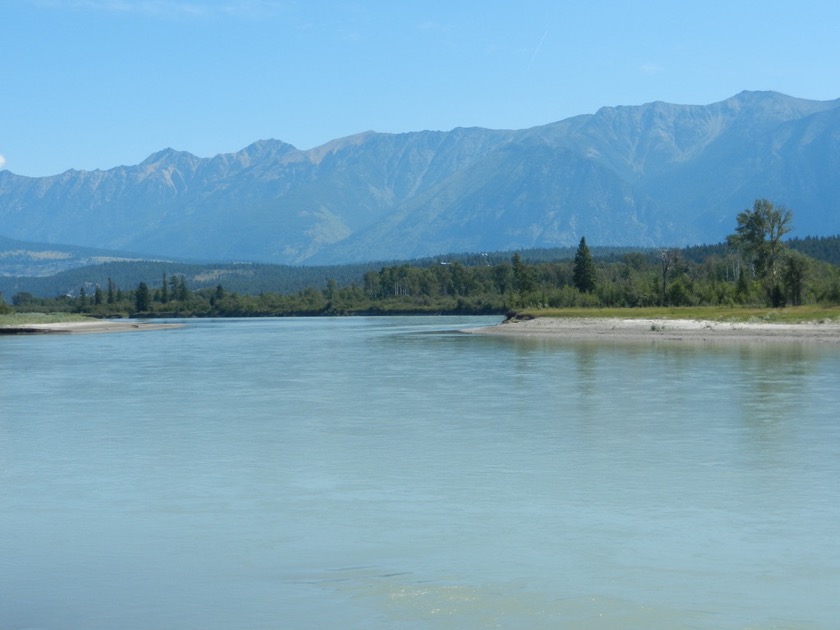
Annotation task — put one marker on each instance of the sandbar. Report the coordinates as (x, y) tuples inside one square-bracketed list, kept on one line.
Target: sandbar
[(84, 327), (666, 330)]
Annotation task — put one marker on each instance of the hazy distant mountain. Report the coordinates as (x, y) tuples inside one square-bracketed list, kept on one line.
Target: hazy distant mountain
[(18, 259), (657, 174)]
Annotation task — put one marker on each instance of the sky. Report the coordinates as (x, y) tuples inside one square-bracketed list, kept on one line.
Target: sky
[(94, 84)]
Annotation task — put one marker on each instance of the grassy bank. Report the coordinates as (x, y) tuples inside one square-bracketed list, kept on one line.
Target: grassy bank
[(792, 315), (22, 319)]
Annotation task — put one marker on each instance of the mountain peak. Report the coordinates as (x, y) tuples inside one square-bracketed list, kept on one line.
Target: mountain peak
[(774, 105), (268, 148), (168, 155)]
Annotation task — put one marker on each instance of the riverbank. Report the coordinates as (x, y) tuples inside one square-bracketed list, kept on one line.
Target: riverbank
[(666, 330), (82, 327)]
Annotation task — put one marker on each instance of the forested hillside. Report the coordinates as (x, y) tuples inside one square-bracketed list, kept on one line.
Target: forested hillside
[(718, 275), (246, 278), (823, 248)]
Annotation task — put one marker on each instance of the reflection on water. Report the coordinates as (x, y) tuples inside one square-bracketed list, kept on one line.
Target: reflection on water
[(364, 472)]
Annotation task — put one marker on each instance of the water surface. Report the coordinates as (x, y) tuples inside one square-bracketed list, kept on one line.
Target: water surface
[(382, 472)]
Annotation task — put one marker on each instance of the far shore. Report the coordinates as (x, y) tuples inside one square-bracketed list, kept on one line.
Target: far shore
[(83, 326), (665, 330)]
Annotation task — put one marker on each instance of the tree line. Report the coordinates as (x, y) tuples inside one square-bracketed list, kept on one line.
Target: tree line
[(754, 267)]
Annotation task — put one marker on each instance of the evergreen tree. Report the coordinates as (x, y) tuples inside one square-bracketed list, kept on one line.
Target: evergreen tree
[(111, 293), (583, 275), (793, 276), (523, 276), (142, 298), (218, 295), (173, 288), (183, 292), (164, 290)]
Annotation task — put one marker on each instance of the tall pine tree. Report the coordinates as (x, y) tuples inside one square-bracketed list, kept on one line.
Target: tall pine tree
[(142, 298), (584, 270)]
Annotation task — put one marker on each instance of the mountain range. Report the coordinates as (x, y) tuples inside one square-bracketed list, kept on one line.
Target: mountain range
[(658, 174)]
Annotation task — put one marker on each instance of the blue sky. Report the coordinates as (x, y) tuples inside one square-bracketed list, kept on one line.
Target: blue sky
[(91, 84)]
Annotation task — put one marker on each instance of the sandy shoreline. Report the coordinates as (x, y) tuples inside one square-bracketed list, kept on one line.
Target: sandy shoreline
[(668, 330), (93, 326), (571, 328)]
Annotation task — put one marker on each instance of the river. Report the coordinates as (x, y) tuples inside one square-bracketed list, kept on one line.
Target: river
[(391, 472)]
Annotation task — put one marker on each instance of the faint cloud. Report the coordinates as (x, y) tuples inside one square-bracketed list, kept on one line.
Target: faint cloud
[(651, 69), (2, 161)]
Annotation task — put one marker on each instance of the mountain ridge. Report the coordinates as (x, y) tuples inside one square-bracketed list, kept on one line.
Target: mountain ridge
[(648, 175)]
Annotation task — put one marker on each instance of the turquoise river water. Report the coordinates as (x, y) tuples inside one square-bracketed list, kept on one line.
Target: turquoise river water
[(391, 472)]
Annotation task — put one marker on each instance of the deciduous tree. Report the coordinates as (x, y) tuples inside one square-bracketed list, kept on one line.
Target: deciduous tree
[(759, 235)]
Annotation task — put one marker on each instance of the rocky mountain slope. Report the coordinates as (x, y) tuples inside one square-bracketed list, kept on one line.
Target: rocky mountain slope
[(656, 174)]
